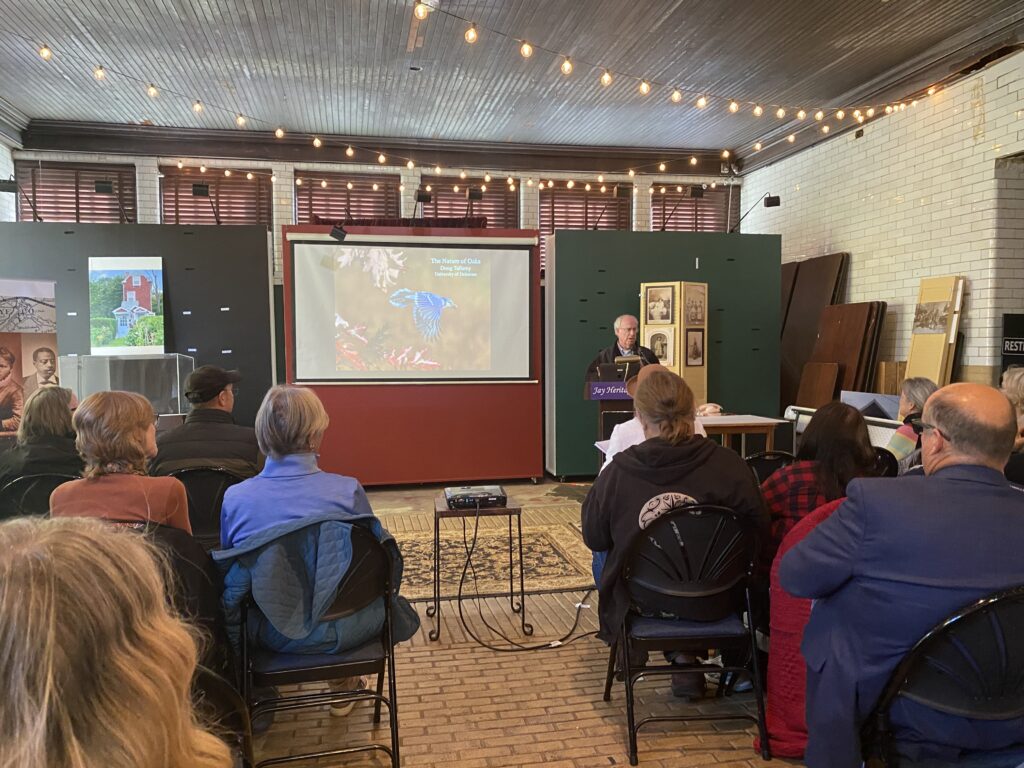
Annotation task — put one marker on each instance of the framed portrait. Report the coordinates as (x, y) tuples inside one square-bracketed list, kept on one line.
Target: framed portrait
[(659, 303), (694, 347), (695, 301), (662, 342)]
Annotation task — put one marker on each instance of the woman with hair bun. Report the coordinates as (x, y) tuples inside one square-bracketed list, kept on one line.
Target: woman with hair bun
[(671, 467)]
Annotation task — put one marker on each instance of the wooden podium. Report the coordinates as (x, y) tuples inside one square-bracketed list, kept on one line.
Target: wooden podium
[(615, 406)]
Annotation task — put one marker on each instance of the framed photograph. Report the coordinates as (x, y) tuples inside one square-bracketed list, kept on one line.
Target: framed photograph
[(660, 304), (931, 317), (695, 304), (695, 347), (662, 342)]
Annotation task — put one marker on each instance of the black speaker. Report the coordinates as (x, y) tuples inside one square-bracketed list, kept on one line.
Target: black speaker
[(104, 187), (422, 196), (200, 190), (474, 193), (9, 185), (772, 201), (623, 191), (696, 191)]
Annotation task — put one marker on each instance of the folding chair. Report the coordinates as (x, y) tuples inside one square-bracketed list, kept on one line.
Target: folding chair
[(764, 464), (29, 495), (205, 487), (886, 464), (222, 707)]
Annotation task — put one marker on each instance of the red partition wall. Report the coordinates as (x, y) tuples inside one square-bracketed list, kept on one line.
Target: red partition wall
[(424, 433)]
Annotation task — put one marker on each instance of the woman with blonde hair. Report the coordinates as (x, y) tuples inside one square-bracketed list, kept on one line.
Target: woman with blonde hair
[(671, 466), (46, 439), (96, 671), (116, 438)]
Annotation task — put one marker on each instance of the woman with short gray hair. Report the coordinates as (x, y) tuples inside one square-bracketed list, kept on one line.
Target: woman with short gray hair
[(905, 443)]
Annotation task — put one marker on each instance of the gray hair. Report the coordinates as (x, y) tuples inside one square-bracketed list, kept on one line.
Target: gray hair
[(917, 390), (1013, 385), (290, 420), (972, 436), (620, 318)]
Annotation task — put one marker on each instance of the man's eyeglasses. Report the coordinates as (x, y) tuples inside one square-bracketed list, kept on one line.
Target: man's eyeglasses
[(920, 427)]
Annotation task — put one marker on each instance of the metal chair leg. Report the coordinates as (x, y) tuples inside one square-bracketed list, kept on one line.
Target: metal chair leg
[(611, 674), (380, 692), (630, 714), (393, 705)]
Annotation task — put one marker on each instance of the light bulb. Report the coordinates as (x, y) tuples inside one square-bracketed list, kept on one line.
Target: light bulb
[(587, 186), (429, 188), (181, 164), (645, 87), (471, 35), (662, 190), (240, 120), (871, 112), (99, 73), (410, 165), (511, 187), (819, 115), (780, 113), (570, 184), (757, 147), (825, 128), (632, 172), (323, 183), (840, 115), (462, 174), (455, 188), (510, 180), (677, 96), (734, 106), (421, 11), (650, 190), (197, 106), (437, 169), (317, 142), (375, 186), (401, 187), (713, 184), (249, 176), (725, 154), (202, 169), (931, 91), (349, 152), (606, 78), (791, 138), (483, 187), (913, 103), (487, 178), (758, 110), (661, 166), (860, 118), (679, 189), (566, 66), (526, 50), (540, 185), (801, 114), (273, 178), (702, 102), (298, 182), (693, 160), (529, 182), (349, 185), (903, 106), (856, 113), (381, 159), (600, 178), (45, 53), (279, 133), (227, 171), (603, 188), (152, 91)]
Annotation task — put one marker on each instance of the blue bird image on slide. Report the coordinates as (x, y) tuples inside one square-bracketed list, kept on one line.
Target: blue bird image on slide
[(426, 309)]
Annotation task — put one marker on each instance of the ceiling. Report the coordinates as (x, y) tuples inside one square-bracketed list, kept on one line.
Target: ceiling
[(343, 66)]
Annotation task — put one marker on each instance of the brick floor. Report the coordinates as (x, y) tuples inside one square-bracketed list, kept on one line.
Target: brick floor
[(464, 706)]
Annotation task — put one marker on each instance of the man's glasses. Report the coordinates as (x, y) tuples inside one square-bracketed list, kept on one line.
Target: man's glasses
[(919, 426)]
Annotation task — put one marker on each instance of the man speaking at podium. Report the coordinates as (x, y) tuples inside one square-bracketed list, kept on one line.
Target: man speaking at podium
[(626, 329)]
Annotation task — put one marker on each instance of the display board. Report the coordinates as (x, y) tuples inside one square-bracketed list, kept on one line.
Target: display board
[(126, 305), (594, 276), (673, 325), (934, 333), (408, 312)]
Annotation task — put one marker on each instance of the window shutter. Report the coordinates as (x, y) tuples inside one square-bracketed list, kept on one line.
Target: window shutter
[(499, 204), (336, 201), (577, 208), (676, 211), (238, 200), (67, 192)]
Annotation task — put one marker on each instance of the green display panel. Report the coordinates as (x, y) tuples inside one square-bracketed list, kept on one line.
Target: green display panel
[(594, 276)]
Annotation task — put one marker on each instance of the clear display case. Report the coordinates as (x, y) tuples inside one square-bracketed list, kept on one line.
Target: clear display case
[(160, 378)]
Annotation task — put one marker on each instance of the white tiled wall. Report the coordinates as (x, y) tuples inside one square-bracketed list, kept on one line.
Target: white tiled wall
[(7, 201), (916, 196)]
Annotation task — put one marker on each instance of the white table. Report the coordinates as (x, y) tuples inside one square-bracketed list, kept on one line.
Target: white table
[(742, 425)]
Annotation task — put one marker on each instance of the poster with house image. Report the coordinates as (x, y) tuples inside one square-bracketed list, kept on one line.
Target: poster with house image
[(126, 305)]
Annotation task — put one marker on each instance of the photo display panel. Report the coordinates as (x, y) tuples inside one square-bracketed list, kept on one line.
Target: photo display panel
[(405, 312)]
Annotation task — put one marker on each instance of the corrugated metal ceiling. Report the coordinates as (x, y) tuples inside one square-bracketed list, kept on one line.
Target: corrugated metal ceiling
[(343, 66)]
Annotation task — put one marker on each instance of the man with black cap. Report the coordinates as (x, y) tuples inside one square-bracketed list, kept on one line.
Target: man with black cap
[(209, 436)]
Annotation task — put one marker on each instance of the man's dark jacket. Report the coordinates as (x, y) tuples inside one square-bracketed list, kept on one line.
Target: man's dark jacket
[(645, 481), (609, 354), (209, 437)]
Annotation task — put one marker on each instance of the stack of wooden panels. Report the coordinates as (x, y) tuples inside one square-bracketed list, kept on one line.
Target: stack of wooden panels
[(807, 287), (848, 336)]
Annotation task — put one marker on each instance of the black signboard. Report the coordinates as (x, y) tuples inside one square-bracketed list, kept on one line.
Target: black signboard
[(1013, 340)]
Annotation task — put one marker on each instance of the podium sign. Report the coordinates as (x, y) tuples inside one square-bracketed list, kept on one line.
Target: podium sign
[(607, 390)]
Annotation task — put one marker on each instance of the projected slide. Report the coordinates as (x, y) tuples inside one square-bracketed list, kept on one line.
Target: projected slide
[(410, 312)]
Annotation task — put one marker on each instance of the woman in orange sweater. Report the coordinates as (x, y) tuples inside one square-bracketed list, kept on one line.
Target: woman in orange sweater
[(116, 438)]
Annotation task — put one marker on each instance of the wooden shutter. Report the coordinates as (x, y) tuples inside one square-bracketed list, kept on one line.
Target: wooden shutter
[(336, 201), (675, 211), (67, 192), (499, 204), (238, 200), (563, 208)]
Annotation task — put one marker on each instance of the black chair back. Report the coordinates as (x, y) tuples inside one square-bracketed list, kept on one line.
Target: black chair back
[(768, 462), (886, 464), (691, 562), (222, 708), (368, 576), (29, 495), (205, 487)]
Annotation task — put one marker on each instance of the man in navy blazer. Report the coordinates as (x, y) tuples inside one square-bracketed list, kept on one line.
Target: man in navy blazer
[(898, 557)]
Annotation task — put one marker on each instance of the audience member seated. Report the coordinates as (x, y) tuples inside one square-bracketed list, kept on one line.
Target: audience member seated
[(895, 559), (209, 436), (116, 437), (97, 671), (905, 443), (1013, 388), (293, 512), (46, 440), (631, 432), (834, 449), (671, 468), (12, 395)]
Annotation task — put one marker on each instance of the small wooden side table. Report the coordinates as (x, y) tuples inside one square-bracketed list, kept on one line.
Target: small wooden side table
[(512, 510)]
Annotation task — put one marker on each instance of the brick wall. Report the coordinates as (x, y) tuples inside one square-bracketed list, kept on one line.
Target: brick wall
[(7, 201), (918, 195)]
